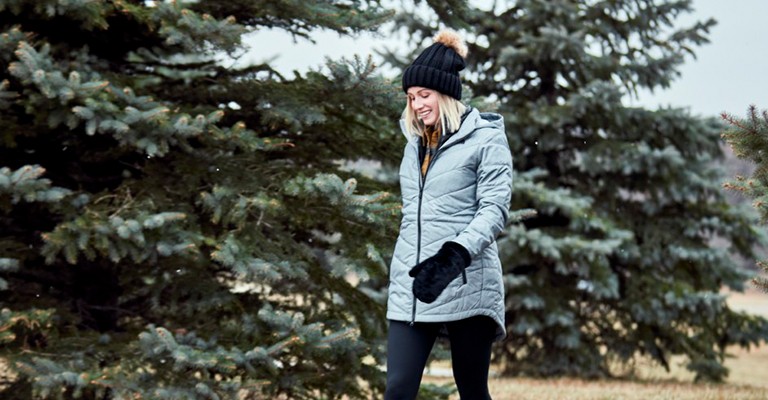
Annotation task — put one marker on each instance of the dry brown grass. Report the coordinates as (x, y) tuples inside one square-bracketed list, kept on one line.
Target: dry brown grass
[(748, 377), (556, 389), (578, 389)]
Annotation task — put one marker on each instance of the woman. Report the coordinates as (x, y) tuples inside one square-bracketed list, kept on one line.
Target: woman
[(456, 182)]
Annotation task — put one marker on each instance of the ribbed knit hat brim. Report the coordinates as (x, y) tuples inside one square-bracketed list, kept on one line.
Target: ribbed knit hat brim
[(432, 78)]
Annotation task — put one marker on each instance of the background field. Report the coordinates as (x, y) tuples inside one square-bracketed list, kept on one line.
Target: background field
[(748, 377)]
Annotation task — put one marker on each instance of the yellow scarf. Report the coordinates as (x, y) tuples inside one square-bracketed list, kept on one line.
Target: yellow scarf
[(430, 139)]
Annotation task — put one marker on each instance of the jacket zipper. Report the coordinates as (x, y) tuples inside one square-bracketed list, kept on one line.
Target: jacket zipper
[(422, 181), (418, 241), (418, 235)]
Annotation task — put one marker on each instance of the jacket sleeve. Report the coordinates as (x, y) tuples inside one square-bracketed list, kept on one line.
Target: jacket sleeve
[(494, 192)]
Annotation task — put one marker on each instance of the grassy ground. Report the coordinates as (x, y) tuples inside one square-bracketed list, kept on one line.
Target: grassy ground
[(748, 377)]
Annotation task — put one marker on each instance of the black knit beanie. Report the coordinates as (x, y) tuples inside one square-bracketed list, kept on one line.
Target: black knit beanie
[(438, 66)]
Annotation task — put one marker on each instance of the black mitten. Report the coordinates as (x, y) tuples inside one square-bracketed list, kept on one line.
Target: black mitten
[(435, 273)]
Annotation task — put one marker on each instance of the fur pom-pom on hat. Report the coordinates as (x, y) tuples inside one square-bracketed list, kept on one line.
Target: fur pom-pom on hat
[(452, 39), (438, 66)]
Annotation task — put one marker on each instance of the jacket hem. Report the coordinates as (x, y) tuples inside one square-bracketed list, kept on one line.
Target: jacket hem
[(501, 331)]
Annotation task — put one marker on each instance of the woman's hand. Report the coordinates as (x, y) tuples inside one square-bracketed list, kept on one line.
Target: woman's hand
[(434, 274)]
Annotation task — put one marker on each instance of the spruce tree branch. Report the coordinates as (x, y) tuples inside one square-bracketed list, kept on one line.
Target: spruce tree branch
[(737, 122)]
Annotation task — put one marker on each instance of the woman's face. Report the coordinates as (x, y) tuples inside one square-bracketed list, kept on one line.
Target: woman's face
[(423, 102)]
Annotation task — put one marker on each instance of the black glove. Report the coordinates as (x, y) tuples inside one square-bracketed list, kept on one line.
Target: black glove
[(435, 273)]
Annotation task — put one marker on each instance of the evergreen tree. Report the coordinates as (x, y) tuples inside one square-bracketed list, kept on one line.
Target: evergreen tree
[(619, 260), (747, 137), (174, 228)]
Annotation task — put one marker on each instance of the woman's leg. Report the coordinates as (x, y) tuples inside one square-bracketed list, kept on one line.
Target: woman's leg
[(471, 341), (408, 348)]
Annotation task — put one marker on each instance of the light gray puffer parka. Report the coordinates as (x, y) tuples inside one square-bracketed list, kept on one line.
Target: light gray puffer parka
[(464, 198)]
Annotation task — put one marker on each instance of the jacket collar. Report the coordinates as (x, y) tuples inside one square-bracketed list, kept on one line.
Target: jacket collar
[(469, 122)]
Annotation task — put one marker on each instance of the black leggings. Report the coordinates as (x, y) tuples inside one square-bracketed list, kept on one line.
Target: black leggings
[(408, 348)]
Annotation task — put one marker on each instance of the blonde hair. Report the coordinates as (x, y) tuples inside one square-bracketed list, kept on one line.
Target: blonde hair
[(449, 109)]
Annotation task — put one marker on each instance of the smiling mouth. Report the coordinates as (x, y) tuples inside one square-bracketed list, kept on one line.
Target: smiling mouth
[(424, 114)]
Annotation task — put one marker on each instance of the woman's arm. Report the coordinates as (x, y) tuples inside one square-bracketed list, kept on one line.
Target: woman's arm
[(494, 192)]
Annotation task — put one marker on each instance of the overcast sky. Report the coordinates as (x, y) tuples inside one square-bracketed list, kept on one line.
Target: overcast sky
[(728, 74)]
